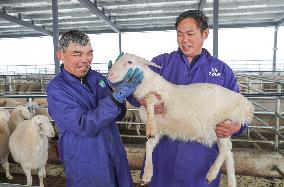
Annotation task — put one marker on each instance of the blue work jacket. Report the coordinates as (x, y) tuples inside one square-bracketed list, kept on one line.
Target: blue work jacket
[(89, 144), (185, 164)]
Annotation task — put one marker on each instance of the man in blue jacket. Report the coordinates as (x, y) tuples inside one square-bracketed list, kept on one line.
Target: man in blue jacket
[(178, 163), (84, 110)]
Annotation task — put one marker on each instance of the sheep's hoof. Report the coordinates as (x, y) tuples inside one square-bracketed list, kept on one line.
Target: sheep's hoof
[(143, 183), (150, 136), (209, 181), (10, 177)]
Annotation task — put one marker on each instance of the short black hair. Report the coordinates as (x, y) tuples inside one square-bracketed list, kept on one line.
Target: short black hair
[(199, 17), (72, 36)]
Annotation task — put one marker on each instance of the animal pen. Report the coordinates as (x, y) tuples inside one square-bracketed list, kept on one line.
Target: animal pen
[(260, 152)]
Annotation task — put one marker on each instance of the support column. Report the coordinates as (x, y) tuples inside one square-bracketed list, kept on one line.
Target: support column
[(55, 34), (215, 27), (275, 48)]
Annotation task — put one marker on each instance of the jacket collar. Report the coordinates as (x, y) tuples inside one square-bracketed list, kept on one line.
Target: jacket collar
[(198, 60), (70, 77)]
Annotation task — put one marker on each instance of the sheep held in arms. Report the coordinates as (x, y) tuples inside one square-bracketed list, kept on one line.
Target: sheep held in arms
[(194, 109), (29, 143)]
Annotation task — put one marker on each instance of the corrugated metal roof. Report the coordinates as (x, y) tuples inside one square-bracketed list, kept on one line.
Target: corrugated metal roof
[(35, 17)]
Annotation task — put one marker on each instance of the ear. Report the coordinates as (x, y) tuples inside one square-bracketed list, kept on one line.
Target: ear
[(59, 55), (7, 115), (149, 63), (36, 122), (3, 102), (205, 34)]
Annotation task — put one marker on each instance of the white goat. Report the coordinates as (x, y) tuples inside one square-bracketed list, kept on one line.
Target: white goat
[(18, 114), (29, 145), (193, 111), (4, 140)]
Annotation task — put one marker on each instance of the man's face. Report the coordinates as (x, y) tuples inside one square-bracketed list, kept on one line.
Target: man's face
[(77, 59), (189, 37)]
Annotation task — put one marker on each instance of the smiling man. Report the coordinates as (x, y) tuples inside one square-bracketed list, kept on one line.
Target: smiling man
[(179, 163), (84, 109)]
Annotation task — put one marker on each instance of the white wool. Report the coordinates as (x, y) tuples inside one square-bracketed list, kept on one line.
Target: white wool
[(192, 111), (4, 140), (18, 114), (29, 145)]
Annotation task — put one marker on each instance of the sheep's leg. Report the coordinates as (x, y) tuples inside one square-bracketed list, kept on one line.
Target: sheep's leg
[(230, 167), (2, 163), (148, 168), (138, 129), (150, 123), (41, 175), (29, 176), (7, 167), (225, 146)]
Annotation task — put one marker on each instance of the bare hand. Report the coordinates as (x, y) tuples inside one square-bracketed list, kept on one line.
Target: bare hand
[(159, 108), (226, 129)]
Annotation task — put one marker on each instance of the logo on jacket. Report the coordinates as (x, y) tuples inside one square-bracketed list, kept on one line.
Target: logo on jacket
[(102, 83), (214, 73)]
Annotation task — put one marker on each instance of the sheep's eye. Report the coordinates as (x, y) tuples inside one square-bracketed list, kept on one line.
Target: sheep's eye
[(129, 62)]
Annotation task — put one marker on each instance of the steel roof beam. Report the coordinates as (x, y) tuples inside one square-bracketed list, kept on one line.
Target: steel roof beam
[(281, 22), (201, 4), (88, 4), (24, 23)]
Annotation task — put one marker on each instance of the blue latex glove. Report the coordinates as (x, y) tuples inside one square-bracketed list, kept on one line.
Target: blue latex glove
[(128, 85), (109, 65)]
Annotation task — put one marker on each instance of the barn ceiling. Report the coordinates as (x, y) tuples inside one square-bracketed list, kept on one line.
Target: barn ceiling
[(36, 17)]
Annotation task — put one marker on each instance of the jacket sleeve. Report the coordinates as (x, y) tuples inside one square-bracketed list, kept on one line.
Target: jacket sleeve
[(231, 83), (69, 115)]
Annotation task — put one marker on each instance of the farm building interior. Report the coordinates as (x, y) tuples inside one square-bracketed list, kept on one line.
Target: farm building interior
[(259, 153)]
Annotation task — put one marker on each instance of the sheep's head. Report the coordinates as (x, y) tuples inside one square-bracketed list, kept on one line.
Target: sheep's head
[(23, 112), (4, 115), (43, 125), (124, 63)]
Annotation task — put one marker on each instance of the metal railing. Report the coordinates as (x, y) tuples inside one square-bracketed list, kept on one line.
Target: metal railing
[(256, 65)]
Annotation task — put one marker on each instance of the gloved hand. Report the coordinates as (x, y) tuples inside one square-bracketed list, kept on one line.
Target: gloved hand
[(109, 65), (128, 85)]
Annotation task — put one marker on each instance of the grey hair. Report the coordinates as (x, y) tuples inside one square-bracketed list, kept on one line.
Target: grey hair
[(72, 36)]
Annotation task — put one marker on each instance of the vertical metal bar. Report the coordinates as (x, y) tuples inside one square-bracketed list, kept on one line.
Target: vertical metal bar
[(10, 84), (275, 48), (30, 106), (277, 119), (249, 85), (215, 27), (55, 34), (119, 40)]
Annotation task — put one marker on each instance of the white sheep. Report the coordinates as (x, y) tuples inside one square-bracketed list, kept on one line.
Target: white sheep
[(29, 145), (18, 114), (9, 102), (132, 117), (4, 140), (193, 111)]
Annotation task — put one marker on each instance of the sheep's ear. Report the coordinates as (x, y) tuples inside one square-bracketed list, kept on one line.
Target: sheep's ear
[(149, 63), (7, 115), (37, 124), (3, 102)]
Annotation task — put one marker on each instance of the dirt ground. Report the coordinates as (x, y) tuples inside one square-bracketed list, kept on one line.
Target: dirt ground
[(55, 178), (242, 181)]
